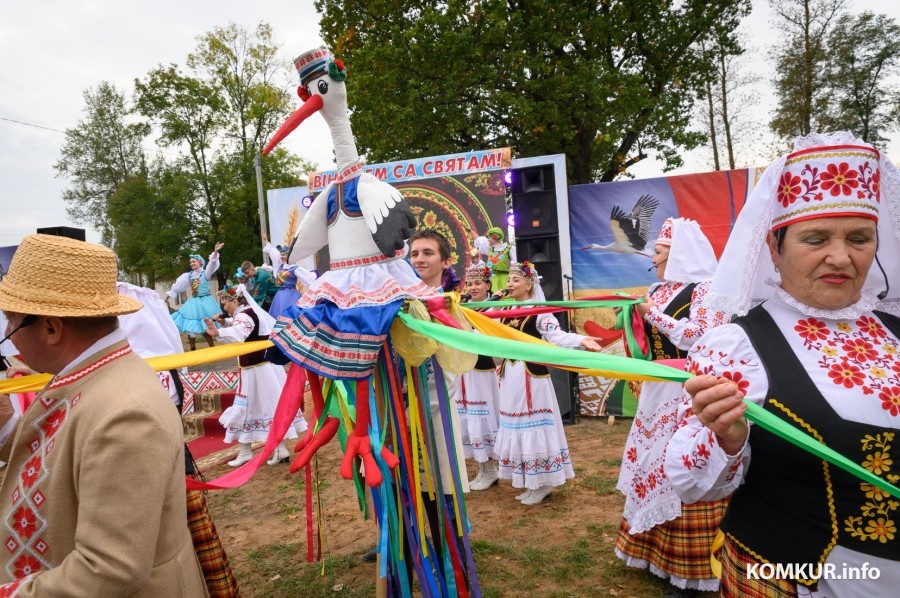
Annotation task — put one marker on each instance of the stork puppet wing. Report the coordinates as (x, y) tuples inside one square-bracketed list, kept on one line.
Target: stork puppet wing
[(388, 216)]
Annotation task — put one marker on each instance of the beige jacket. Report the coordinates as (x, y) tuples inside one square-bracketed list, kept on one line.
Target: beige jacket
[(93, 497)]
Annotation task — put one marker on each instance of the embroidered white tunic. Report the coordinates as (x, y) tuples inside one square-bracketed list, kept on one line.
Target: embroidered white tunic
[(852, 359), (649, 498)]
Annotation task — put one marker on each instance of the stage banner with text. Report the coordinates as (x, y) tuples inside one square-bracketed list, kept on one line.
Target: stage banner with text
[(603, 263)]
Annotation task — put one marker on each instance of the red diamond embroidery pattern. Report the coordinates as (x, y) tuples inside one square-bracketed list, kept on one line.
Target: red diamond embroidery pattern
[(11, 544), (41, 547), (39, 498)]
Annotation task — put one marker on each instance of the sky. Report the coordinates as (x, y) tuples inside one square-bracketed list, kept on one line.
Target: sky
[(53, 50)]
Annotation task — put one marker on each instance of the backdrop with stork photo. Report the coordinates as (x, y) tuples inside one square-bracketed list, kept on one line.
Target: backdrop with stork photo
[(613, 227)]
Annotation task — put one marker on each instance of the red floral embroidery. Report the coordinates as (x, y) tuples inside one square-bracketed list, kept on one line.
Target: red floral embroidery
[(846, 374), (25, 522), (839, 179), (871, 326), (890, 399), (631, 455), (688, 462), (738, 378), (788, 188), (53, 422), (812, 329), (640, 489), (26, 565), (31, 471), (859, 349), (702, 451), (651, 480)]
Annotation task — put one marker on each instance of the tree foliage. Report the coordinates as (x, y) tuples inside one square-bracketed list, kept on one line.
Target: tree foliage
[(802, 64), (212, 117), (101, 152), (864, 57), (603, 82)]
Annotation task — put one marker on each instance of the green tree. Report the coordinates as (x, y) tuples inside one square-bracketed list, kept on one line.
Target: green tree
[(864, 57), (220, 115), (603, 82), (802, 64), (150, 217), (98, 154)]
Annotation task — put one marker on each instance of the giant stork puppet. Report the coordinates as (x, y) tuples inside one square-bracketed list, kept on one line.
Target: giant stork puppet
[(338, 330), (339, 325)]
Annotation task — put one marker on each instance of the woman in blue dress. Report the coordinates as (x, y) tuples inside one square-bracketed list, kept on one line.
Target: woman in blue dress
[(200, 304), (291, 279)]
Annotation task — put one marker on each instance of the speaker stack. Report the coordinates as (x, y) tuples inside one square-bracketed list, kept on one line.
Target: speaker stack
[(537, 240)]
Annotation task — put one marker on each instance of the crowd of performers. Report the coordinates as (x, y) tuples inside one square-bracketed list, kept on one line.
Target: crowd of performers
[(794, 318)]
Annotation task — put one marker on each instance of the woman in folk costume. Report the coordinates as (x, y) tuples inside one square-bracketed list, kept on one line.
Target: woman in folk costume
[(499, 256), (816, 346), (291, 279), (531, 442), (478, 398), (657, 532), (189, 318), (250, 417)]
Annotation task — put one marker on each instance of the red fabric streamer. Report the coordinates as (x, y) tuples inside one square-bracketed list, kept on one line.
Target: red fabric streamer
[(290, 402)]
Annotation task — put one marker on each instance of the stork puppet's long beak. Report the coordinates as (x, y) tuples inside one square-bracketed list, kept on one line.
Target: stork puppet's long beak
[(310, 106)]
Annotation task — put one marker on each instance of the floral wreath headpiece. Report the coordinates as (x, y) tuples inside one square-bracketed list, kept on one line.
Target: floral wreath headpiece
[(229, 292), (525, 269), (479, 271)]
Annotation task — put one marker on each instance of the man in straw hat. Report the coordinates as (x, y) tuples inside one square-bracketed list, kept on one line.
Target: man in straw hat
[(93, 497)]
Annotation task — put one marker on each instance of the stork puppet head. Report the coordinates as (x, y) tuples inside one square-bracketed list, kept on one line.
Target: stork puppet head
[(322, 90)]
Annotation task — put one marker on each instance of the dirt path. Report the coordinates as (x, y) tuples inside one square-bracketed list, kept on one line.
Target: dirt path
[(563, 547)]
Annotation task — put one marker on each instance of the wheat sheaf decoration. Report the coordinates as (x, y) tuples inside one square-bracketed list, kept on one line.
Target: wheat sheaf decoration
[(292, 225)]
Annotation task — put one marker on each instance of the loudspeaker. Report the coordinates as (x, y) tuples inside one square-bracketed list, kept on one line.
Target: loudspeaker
[(534, 201), (63, 231), (537, 240)]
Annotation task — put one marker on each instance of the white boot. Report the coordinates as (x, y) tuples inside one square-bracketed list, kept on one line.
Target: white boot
[(528, 492), (244, 455), (278, 455), (478, 475), (489, 478), (537, 496)]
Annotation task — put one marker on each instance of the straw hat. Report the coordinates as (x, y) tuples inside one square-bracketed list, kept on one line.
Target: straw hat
[(34, 284)]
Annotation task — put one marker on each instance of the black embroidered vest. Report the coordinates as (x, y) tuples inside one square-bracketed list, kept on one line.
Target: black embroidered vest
[(793, 507), (528, 325), (679, 308), (256, 357)]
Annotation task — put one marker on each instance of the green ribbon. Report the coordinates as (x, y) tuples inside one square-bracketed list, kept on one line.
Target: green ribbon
[(481, 344), (568, 304), (774, 424), (624, 367), (624, 320)]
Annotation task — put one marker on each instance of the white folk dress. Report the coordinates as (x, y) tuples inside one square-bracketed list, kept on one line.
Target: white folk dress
[(657, 532), (531, 443), (852, 360), (477, 404), (250, 417)]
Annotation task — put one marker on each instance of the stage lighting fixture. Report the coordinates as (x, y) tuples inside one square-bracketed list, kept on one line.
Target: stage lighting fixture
[(511, 219), (508, 177)]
